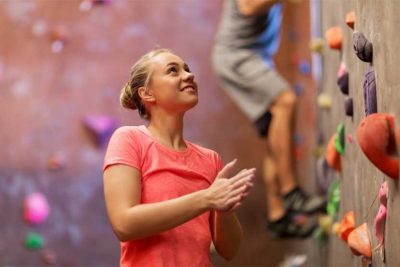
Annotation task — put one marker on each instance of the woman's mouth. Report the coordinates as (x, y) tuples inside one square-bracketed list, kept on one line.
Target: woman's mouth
[(190, 89)]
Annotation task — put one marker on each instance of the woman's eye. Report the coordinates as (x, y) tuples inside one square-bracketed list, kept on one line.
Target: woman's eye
[(172, 69), (187, 69)]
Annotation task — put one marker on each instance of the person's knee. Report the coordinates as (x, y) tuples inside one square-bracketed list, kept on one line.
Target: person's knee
[(286, 101)]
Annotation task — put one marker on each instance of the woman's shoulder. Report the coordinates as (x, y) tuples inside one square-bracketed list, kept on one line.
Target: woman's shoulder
[(128, 129), (130, 132), (202, 150)]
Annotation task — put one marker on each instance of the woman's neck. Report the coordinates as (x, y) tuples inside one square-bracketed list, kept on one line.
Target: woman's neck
[(168, 130)]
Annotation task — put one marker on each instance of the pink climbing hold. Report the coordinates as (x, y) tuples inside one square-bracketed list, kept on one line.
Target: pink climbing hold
[(36, 208), (379, 224), (383, 193), (350, 138), (101, 128)]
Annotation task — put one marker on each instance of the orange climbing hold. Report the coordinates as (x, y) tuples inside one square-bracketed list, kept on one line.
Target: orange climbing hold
[(346, 226), (334, 37), (350, 19), (376, 138), (332, 155), (359, 241)]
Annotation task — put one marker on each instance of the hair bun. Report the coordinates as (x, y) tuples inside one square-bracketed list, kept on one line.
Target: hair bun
[(126, 97)]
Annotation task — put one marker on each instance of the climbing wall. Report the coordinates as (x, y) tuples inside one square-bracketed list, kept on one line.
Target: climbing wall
[(369, 158), (62, 64)]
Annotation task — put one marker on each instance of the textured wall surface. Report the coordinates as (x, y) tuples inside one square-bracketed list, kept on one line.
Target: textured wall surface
[(360, 179), (45, 93)]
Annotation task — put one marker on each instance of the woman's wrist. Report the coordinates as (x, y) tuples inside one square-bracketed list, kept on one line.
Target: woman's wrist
[(205, 201)]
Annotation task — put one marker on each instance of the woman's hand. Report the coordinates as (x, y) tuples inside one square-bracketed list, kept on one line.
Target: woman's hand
[(227, 194)]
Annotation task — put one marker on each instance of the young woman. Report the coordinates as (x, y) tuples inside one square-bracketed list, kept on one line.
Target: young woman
[(166, 197)]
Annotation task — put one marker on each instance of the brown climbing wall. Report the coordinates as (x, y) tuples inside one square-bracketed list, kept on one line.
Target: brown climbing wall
[(44, 96), (360, 180)]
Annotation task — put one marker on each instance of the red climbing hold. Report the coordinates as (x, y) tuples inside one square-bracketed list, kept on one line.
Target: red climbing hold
[(376, 138)]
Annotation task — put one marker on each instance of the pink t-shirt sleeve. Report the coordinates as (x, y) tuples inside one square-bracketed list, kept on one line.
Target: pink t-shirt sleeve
[(123, 148), (218, 163)]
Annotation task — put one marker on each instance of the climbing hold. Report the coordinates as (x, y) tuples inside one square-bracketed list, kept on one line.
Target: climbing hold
[(359, 241), (324, 101), (324, 175), (350, 19), (343, 79), (376, 138), (88, 4), (101, 2), (59, 36), (298, 139), (383, 193), (335, 228), (332, 156), (304, 67), (334, 37), (350, 138), (380, 219), (48, 256), (325, 222), (56, 161), (34, 241), (340, 139), (379, 224), (346, 226), (332, 206), (348, 106), (101, 128), (298, 89), (36, 208), (370, 92), (362, 47), (317, 45)]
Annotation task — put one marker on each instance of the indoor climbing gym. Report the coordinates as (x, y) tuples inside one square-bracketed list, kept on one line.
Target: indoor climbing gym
[(199, 133)]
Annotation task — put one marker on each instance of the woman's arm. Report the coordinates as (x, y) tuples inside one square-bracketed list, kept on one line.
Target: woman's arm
[(227, 233), (254, 7), (132, 220)]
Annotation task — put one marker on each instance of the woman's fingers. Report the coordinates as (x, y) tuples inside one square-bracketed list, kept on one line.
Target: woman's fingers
[(241, 179), (226, 169)]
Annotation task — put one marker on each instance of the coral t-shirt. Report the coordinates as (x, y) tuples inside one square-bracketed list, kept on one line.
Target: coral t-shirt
[(166, 174)]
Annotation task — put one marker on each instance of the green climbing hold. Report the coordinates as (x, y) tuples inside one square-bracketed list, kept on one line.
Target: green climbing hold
[(340, 139), (333, 199), (34, 241), (319, 236)]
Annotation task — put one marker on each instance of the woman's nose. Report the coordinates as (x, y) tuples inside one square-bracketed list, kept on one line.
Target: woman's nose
[(189, 76)]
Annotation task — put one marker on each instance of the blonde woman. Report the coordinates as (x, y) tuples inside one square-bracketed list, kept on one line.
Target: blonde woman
[(168, 198)]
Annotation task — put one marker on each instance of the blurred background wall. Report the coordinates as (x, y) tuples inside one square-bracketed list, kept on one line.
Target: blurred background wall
[(62, 60)]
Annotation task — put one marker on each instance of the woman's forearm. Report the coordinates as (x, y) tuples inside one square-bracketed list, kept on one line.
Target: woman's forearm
[(227, 233), (145, 220)]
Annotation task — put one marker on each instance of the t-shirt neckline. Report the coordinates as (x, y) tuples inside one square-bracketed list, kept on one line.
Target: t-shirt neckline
[(170, 150)]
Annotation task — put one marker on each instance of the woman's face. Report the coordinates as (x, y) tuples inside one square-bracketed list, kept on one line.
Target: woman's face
[(172, 84)]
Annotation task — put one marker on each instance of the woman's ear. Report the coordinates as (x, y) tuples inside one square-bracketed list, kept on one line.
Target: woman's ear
[(146, 94)]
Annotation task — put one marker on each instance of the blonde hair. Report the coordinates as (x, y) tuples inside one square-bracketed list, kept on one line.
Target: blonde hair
[(139, 76)]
